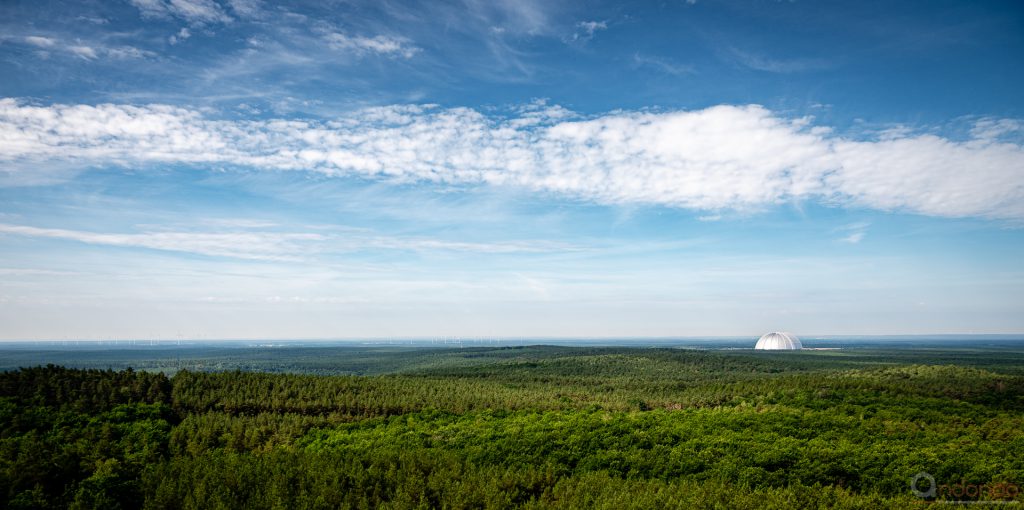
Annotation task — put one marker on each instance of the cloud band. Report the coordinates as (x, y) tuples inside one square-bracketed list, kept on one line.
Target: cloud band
[(723, 157)]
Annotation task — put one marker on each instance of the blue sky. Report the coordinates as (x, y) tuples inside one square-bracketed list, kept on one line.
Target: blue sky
[(250, 169)]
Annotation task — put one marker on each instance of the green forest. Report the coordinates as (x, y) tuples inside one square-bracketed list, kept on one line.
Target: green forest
[(532, 427)]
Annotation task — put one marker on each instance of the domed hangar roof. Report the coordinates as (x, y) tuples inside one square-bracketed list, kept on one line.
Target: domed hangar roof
[(779, 341)]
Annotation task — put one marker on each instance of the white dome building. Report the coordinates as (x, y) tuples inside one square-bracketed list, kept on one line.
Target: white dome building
[(779, 341)]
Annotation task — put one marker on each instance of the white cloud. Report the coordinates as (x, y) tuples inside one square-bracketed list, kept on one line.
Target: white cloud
[(527, 17), (662, 64), (853, 233), (182, 34), (192, 11), (853, 238), (95, 20), (993, 129), (420, 244), (19, 271), (86, 52), (719, 158), (252, 9), (783, 66), (587, 29), (41, 42), (381, 45), (151, 8), (127, 52), (932, 175), (245, 243), (205, 11)]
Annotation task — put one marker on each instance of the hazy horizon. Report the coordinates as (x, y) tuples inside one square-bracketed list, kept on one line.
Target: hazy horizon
[(623, 340)]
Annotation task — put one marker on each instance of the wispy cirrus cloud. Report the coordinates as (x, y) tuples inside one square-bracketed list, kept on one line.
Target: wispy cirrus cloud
[(84, 50), (723, 157), (585, 30), (190, 11), (243, 245), (994, 129), (853, 233), (527, 17), (40, 41), (248, 9), (854, 238), (252, 242), (180, 36), (379, 45), (31, 272), (759, 62), (662, 64)]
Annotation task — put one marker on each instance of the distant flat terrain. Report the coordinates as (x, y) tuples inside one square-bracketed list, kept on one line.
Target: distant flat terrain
[(1000, 352), (531, 426)]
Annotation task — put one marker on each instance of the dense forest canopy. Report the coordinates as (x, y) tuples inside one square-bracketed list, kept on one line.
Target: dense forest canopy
[(568, 427)]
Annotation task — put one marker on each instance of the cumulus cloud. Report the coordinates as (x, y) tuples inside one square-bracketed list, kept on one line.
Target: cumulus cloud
[(933, 175), (381, 45), (719, 158)]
